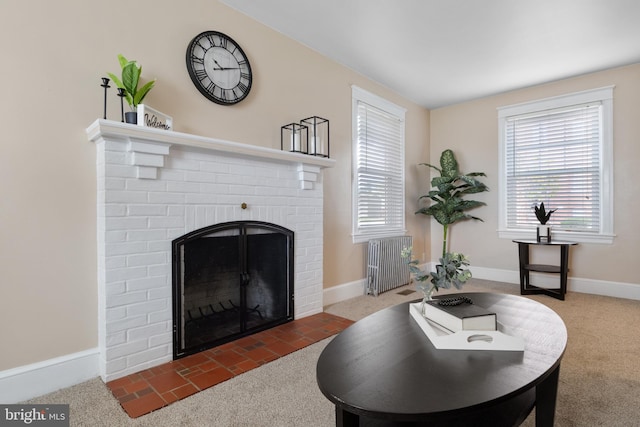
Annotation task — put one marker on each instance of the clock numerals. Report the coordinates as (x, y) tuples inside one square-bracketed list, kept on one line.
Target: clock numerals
[(217, 40), (197, 60), (226, 96), (242, 87), (211, 38), (201, 74)]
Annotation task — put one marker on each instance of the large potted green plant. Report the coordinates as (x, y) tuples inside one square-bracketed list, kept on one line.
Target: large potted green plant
[(448, 206), (129, 80)]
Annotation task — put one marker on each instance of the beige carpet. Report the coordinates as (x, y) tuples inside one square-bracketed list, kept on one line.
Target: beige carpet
[(599, 377)]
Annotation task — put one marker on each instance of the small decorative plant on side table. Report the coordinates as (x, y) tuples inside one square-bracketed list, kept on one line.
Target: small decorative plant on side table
[(131, 72), (543, 231)]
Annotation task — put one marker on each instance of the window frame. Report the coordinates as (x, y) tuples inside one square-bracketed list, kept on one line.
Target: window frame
[(603, 95), (361, 95)]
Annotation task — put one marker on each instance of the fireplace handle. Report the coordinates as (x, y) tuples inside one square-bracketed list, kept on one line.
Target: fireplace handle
[(244, 278)]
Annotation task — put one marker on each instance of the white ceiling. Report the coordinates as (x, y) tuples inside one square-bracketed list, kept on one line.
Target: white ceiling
[(442, 52)]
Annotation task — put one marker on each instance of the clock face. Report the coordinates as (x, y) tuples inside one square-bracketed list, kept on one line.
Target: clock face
[(219, 68)]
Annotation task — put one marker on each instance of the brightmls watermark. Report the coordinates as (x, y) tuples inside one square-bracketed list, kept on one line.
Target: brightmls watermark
[(34, 415)]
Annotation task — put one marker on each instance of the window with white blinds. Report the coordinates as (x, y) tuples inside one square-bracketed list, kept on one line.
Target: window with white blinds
[(557, 151), (378, 187)]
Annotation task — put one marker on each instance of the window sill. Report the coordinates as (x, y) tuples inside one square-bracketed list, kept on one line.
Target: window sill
[(363, 238), (571, 236)]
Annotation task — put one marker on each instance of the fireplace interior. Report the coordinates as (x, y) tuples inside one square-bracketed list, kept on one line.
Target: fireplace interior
[(230, 280)]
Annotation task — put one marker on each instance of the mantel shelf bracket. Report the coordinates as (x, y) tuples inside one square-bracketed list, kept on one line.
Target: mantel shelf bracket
[(147, 157)]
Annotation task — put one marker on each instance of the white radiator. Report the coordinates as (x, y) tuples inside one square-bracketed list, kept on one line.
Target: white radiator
[(386, 269)]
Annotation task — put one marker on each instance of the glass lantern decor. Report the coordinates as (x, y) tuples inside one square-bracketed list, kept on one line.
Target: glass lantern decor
[(318, 135), (294, 137)]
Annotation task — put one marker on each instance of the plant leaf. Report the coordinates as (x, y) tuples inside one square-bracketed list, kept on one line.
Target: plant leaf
[(432, 166), (122, 60), (142, 92), (448, 163), (116, 80), (541, 213), (130, 77)]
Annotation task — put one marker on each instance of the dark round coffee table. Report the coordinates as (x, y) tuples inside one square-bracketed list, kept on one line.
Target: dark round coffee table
[(383, 370)]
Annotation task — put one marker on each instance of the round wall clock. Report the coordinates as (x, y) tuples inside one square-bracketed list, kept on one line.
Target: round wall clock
[(219, 68)]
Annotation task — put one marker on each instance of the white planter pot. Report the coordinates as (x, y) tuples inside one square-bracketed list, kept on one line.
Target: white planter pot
[(543, 233)]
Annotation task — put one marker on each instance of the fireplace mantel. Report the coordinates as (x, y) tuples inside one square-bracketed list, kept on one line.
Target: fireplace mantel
[(149, 147), (155, 185)]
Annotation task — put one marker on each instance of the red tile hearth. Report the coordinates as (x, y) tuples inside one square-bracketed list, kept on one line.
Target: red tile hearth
[(148, 390)]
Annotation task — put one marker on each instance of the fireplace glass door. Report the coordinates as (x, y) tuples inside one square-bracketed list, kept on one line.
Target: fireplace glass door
[(230, 280)]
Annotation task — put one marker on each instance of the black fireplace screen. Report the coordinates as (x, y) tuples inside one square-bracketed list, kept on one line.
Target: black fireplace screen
[(230, 280)]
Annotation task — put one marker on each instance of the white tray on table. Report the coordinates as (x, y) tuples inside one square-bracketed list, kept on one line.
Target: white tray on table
[(501, 339)]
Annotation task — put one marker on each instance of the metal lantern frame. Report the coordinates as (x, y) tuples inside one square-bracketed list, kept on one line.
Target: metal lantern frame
[(296, 137), (318, 138)]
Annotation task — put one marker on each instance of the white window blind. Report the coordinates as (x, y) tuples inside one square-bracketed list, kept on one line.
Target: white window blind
[(554, 158), (558, 151), (378, 172)]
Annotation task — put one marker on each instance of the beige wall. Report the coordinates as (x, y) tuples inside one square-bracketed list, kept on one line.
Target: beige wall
[(54, 53), (471, 130)]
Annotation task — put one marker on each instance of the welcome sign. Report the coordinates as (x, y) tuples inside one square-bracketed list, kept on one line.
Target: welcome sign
[(151, 118)]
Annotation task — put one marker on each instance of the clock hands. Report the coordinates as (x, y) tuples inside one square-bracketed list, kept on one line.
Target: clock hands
[(224, 68)]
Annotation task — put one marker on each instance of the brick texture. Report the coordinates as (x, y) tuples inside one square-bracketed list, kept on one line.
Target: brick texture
[(181, 189)]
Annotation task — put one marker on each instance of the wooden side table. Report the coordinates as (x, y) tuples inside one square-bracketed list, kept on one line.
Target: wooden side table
[(526, 288)]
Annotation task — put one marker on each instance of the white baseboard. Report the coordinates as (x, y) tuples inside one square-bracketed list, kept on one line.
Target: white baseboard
[(609, 289), (574, 284), (346, 291), (343, 292), (30, 381)]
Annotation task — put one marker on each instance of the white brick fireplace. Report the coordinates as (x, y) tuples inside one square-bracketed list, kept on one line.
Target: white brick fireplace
[(155, 186)]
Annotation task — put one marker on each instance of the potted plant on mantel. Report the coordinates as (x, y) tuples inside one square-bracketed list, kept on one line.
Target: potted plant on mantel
[(131, 72), (543, 231), (448, 206)]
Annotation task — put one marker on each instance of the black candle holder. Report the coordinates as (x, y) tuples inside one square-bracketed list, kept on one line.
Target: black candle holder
[(121, 94), (105, 85)]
